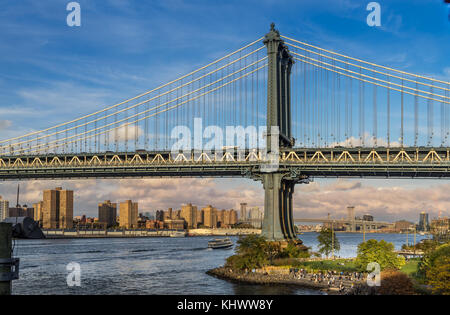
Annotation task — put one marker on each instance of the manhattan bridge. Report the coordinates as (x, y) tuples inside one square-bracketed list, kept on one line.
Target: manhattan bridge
[(335, 116)]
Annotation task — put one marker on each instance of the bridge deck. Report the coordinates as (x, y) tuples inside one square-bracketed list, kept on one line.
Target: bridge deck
[(327, 162)]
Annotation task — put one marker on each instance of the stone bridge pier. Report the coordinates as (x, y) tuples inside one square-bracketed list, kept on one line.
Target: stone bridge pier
[(278, 224)]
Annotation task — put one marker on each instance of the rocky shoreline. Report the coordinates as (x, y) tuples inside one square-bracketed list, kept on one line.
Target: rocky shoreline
[(268, 279)]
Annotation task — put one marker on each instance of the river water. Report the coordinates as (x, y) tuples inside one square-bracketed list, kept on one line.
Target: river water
[(147, 265)]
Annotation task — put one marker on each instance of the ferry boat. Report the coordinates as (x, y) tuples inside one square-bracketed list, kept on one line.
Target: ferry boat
[(177, 234), (220, 243)]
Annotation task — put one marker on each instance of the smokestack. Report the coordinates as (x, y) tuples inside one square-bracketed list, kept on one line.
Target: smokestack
[(18, 192)]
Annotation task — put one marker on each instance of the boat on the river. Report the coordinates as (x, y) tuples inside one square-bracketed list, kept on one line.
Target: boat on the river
[(220, 243), (177, 234)]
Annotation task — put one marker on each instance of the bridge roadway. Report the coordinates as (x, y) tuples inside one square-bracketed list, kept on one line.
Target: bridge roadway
[(326, 162)]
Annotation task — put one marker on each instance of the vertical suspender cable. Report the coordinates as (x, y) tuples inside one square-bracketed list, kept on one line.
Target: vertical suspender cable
[(402, 117), (388, 113), (375, 115), (360, 111), (416, 117)]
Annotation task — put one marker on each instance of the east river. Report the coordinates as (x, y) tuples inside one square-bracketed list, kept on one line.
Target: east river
[(148, 265)]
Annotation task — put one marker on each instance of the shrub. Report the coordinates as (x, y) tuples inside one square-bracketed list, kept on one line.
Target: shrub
[(394, 282)]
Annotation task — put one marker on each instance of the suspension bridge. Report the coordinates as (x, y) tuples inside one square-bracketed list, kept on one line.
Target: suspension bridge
[(325, 114)]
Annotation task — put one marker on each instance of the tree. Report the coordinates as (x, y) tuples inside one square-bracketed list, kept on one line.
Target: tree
[(439, 276), (435, 265), (328, 242), (380, 252), (253, 251), (293, 250)]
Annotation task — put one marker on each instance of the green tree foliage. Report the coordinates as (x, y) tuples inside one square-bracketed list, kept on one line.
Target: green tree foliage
[(428, 260), (293, 251), (435, 266), (381, 252), (253, 251), (438, 276), (425, 246), (326, 243)]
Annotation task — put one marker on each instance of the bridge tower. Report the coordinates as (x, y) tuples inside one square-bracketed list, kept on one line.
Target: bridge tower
[(278, 185)]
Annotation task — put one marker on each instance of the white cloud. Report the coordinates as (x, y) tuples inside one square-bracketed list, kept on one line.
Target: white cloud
[(367, 141), (4, 124), (126, 132)]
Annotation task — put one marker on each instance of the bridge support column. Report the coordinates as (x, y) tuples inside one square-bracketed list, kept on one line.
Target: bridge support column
[(278, 224)]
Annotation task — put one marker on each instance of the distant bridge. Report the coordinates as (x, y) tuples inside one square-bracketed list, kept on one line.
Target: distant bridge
[(351, 224)]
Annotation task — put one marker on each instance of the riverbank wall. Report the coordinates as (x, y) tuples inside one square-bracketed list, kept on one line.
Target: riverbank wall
[(223, 232), (56, 234), (281, 278)]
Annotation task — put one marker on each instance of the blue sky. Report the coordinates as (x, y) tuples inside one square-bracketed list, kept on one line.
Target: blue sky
[(50, 72)]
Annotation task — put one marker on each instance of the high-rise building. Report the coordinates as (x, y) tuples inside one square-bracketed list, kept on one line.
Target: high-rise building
[(440, 228), (226, 218), (189, 214), (66, 209), (29, 212), (351, 218), (4, 209), (256, 217), (107, 213), (174, 224), (57, 210), (21, 212), (159, 215), (128, 214), (350, 213), (220, 218), (423, 222), (210, 217), (168, 214), (233, 217), (38, 211), (50, 215), (200, 218), (243, 216)]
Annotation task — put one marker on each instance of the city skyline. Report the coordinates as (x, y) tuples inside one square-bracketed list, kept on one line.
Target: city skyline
[(151, 195)]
